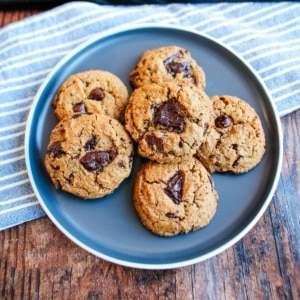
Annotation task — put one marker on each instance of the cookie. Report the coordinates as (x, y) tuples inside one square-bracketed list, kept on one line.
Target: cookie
[(165, 64), (89, 155), (236, 141), (168, 120), (93, 91), (174, 198)]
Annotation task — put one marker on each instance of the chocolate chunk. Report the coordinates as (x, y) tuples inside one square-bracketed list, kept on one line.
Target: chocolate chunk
[(168, 114), (236, 162), (174, 67), (91, 144), (79, 107), (70, 179), (132, 79), (155, 142), (223, 121), (171, 215), (76, 116), (121, 164), (97, 160), (56, 150), (96, 94), (236, 147), (174, 187)]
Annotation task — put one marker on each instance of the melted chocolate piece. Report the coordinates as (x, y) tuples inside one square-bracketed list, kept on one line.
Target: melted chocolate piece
[(236, 147), (168, 114), (223, 121), (174, 67), (121, 164), (174, 187), (76, 116), (56, 150), (171, 215), (91, 144), (236, 162), (79, 107), (97, 160), (96, 94), (70, 179), (155, 142)]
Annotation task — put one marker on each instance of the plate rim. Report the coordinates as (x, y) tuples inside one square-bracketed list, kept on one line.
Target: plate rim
[(139, 265)]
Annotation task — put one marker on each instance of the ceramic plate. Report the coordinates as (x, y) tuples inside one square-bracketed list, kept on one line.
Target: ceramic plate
[(109, 227)]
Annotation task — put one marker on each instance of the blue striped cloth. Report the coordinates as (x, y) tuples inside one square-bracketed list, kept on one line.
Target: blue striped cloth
[(267, 35)]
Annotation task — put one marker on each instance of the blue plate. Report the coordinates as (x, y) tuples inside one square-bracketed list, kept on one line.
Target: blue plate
[(109, 227)]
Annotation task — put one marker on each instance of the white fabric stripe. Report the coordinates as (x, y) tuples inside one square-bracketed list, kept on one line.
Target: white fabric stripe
[(220, 22), (278, 64), (7, 113), (280, 72), (2, 153), (27, 55), (13, 185), (16, 80), (7, 161), (266, 30), (35, 59), (260, 33), (7, 137), (268, 46), (163, 19), (3, 178), (168, 16), (14, 126), (214, 17), (22, 198), (19, 207), (15, 101), (285, 87), (287, 95), (230, 8), (264, 14), (275, 51), (22, 86), (196, 11)]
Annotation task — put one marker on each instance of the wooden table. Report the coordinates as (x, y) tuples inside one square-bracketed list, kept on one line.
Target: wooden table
[(38, 262)]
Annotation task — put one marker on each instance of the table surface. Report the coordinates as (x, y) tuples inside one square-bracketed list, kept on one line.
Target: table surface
[(38, 262)]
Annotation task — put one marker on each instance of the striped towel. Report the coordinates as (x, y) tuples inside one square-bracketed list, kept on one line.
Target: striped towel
[(267, 35)]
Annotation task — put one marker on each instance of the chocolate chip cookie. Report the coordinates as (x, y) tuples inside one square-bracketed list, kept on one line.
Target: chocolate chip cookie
[(93, 91), (236, 141), (168, 120), (165, 64), (89, 155), (174, 198)]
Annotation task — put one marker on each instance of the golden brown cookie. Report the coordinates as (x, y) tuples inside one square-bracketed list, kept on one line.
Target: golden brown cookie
[(93, 91), (165, 64), (89, 155), (168, 120), (236, 141), (174, 198)]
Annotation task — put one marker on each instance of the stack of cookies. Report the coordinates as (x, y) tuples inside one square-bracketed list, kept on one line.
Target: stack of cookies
[(183, 134)]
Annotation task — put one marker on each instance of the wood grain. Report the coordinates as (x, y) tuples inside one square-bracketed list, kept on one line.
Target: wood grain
[(38, 262)]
